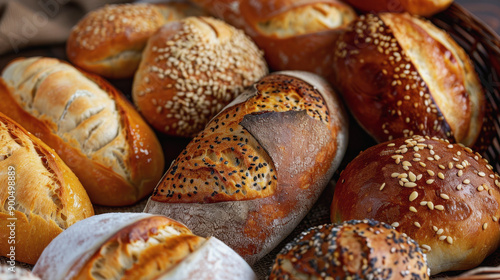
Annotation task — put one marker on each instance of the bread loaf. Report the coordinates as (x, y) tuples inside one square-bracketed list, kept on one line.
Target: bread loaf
[(352, 250), (191, 69), (415, 7), (40, 195), (94, 129), (443, 195), (109, 41), (402, 76), (259, 165), (138, 246), (295, 35)]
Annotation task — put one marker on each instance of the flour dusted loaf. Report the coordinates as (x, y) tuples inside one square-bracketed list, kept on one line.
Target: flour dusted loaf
[(138, 246), (190, 70), (415, 7), (259, 165), (109, 41), (402, 76), (295, 35), (443, 195), (92, 127), (40, 195), (352, 250)]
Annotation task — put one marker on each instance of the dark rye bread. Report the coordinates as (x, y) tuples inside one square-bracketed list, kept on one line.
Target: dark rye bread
[(401, 76), (443, 195), (352, 250), (259, 165)]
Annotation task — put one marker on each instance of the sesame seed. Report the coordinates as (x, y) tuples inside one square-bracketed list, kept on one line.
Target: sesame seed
[(422, 164), (430, 181), (430, 172), (382, 187), (395, 224), (426, 247), (466, 181), (439, 231), (459, 187), (394, 175), (450, 146), (435, 228), (441, 176), (441, 167), (391, 145), (442, 237), (413, 196), (406, 163), (460, 173), (439, 207), (430, 205), (485, 226), (410, 185), (412, 176), (423, 203), (413, 209), (449, 239), (417, 224), (482, 174), (480, 188)]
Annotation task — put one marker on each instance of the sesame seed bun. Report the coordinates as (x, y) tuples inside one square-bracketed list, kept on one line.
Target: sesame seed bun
[(191, 69), (258, 167), (443, 195), (402, 76), (294, 35), (352, 250), (109, 41), (415, 7)]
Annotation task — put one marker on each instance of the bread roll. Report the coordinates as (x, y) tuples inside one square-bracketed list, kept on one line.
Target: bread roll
[(15, 273), (40, 195), (352, 250), (415, 7), (191, 69), (138, 246), (94, 129), (109, 41), (295, 35), (442, 195), (402, 76), (259, 165)]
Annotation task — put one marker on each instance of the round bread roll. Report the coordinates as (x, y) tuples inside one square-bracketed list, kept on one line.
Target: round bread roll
[(352, 250), (443, 195), (109, 41), (402, 76), (89, 124), (295, 35), (138, 246), (12, 272), (190, 70), (40, 195), (259, 166), (415, 7)]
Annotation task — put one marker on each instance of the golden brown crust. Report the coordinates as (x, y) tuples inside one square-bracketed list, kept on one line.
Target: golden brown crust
[(294, 35), (352, 250), (402, 76), (443, 195), (48, 196), (109, 41), (120, 172), (191, 69), (254, 168), (415, 7)]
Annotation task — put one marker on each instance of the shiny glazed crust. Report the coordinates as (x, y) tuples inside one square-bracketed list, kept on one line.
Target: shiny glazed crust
[(294, 35), (415, 7), (259, 165), (443, 195), (191, 69), (48, 196), (94, 129), (109, 41), (402, 76), (352, 250)]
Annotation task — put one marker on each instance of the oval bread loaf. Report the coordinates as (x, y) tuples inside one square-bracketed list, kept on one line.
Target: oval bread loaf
[(190, 70), (92, 127), (259, 165), (138, 246), (443, 195), (415, 7), (294, 35), (109, 41), (352, 250), (40, 195)]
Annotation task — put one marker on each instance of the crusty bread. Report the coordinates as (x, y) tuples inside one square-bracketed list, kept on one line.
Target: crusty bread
[(137, 246), (402, 76), (352, 250), (259, 165), (40, 195), (295, 35), (109, 41), (442, 195), (94, 129), (415, 7), (190, 70)]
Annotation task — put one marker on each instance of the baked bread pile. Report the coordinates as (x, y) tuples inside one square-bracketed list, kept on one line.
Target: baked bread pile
[(259, 91)]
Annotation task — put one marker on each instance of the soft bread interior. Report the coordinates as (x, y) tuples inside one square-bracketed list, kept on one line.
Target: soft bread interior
[(305, 20)]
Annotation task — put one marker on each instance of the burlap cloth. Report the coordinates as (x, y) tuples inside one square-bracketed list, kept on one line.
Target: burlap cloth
[(41, 27)]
